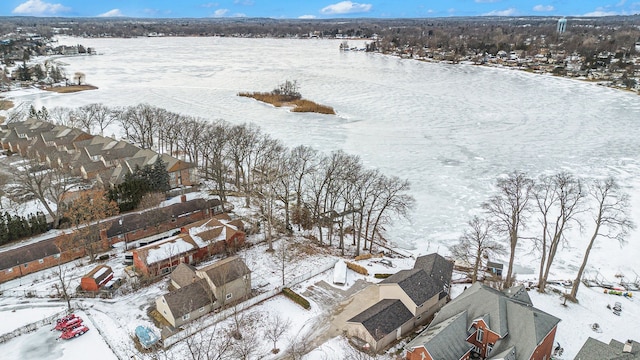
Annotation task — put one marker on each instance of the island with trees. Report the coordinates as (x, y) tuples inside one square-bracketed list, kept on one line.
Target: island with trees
[(288, 94)]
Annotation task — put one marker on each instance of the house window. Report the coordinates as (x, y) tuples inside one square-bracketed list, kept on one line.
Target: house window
[(229, 295), (9, 271), (489, 348), (202, 309), (186, 317), (480, 335), (56, 256), (41, 261), (25, 265)]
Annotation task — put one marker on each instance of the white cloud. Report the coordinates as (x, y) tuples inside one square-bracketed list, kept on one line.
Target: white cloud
[(209, 5), (240, 15), (112, 13), (346, 7), (508, 12), (621, 3), (307, 17), (601, 13), (543, 8), (38, 7), (220, 12), (243, 2)]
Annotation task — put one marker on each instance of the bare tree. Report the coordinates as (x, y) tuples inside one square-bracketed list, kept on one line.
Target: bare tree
[(276, 326), (559, 201), (208, 344), (64, 116), (509, 208), (476, 245), (79, 77), (140, 123), (248, 344), (47, 185), (65, 282), (96, 115), (215, 149), (85, 215), (610, 220)]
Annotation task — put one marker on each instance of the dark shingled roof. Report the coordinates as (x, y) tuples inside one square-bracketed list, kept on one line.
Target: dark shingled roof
[(189, 298), (384, 317), (597, 350), (437, 266), (27, 253), (416, 283), (226, 271), (431, 275), (184, 274), (134, 221)]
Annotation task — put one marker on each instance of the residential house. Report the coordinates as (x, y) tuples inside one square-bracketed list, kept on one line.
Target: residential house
[(488, 324), (92, 157), (594, 349), (420, 291), (186, 303), (96, 278), (55, 247), (200, 291), (229, 279), (195, 243)]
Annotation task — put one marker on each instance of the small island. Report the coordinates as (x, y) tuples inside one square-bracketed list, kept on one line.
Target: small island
[(78, 85), (287, 94)]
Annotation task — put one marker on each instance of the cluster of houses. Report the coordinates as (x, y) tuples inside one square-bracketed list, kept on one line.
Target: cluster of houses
[(128, 229), (94, 158), (481, 323)]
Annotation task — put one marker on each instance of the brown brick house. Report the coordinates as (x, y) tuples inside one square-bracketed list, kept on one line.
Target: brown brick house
[(488, 324)]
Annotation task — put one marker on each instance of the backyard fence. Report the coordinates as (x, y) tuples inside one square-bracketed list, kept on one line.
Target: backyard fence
[(31, 327)]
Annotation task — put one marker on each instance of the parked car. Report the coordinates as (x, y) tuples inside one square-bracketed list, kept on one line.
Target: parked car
[(71, 333), (69, 324)]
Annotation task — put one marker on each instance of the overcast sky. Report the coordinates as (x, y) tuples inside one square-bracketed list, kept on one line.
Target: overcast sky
[(320, 9)]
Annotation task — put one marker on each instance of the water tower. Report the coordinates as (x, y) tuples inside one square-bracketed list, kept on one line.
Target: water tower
[(562, 26)]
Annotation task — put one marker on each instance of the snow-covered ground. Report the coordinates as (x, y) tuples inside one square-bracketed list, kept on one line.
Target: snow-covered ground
[(45, 344)]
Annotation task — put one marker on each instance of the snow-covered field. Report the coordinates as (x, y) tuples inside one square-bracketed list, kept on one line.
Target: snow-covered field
[(451, 130)]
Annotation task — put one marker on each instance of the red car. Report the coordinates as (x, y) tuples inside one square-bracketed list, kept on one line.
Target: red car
[(71, 333), (69, 324)]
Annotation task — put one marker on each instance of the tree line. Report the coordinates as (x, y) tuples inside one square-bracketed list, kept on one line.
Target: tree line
[(547, 209), (333, 193), (14, 227)]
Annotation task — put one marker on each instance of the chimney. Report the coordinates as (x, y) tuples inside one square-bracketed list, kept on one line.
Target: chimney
[(183, 198), (627, 347)]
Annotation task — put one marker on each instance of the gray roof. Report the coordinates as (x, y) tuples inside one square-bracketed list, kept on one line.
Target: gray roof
[(184, 274), (430, 276), (383, 318), (597, 350), (28, 253), (189, 298), (225, 271), (520, 325), (443, 340), (416, 283), (437, 266)]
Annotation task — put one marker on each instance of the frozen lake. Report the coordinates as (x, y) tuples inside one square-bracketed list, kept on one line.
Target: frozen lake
[(450, 129)]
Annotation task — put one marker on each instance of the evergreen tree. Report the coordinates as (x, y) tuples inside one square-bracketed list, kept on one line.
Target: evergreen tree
[(160, 176), (4, 234)]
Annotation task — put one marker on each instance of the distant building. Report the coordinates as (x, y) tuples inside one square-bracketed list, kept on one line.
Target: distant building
[(562, 26)]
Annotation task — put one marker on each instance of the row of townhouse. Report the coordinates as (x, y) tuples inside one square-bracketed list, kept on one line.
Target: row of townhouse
[(59, 247), (94, 158)]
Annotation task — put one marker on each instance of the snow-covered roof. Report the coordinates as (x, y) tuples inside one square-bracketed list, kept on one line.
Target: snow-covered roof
[(100, 272), (170, 247)]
